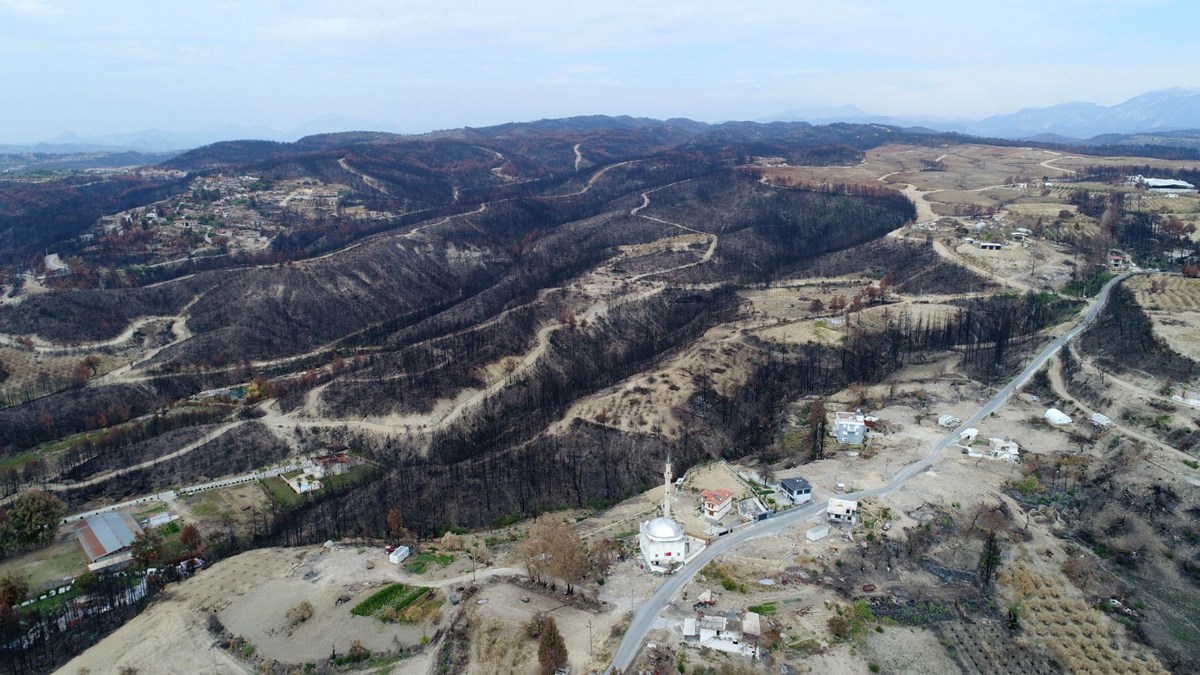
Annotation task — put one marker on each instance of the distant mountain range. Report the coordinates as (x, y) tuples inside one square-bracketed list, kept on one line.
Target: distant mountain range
[(159, 140), (1165, 110), (1148, 119)]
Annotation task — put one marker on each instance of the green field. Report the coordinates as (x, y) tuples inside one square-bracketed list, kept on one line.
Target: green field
[(394, 596), (281, 492), (353, 476), (420, 563)]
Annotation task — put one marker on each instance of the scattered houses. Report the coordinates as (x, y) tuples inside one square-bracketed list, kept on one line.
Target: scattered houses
[(849, 428), (798, 489)]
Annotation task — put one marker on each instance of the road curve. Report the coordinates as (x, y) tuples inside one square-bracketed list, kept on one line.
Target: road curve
[(649, 610)]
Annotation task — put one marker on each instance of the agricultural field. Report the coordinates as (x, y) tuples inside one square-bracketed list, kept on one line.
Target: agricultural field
[(1173, 304)]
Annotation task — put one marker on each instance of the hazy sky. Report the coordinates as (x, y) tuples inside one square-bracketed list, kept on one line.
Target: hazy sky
[(108, 66)]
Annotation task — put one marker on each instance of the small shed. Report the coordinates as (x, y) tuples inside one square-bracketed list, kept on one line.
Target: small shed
[(968, 435), (1101, 420), (689, 628), (817, 533), (398, 555)]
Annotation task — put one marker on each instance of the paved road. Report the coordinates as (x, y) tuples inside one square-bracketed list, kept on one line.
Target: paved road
[(644, 617)]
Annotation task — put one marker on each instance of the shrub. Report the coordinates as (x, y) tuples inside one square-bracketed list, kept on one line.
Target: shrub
[(299, 614)]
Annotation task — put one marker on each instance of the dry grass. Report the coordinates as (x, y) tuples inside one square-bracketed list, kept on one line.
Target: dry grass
[(1082, 638), (502, 648)]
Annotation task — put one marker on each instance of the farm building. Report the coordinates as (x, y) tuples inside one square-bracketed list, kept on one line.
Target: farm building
[(849, 427), (798, 489), (842, 510), (1101, 420), (1167, 184), (717, 503), (107, 538)]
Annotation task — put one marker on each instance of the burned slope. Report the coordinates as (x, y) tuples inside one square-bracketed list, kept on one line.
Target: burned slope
[(82, 316), (503, 452), (1123, 339), (915, 268), (37, 215), (764, 231), (280, 311)]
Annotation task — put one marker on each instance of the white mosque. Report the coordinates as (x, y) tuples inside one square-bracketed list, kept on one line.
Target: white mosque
[(664, 544)]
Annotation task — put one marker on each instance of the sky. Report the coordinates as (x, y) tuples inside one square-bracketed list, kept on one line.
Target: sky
[(116, 66)]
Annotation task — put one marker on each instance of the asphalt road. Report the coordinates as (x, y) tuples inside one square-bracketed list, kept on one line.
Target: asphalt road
[(644, 617)]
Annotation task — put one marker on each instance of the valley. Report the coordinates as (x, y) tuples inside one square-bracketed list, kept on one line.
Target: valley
[(525, 322)]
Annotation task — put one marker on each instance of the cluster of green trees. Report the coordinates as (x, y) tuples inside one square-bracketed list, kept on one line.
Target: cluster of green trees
[(31, 522)]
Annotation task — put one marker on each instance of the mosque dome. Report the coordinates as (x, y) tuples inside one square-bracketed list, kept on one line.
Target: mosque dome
[(664, 529)]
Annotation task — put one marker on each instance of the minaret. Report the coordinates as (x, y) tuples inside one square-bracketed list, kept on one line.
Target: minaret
[(667, 488)]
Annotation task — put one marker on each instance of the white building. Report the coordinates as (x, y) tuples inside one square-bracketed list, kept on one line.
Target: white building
[(849, 427), (717, 503), (948, 421), (1101, 420), (842, 510), (1003, 448), (663, 542), (1167, 184), (798, 489), (1188, 397)]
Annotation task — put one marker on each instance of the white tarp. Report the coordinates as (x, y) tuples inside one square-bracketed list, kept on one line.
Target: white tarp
[(1057, 417)]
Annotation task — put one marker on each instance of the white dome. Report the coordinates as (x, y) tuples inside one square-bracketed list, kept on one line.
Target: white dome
[(1056, 416), (664, 529)]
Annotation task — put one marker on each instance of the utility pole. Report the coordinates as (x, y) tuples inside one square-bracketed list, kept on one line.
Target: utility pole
[(589, 638)]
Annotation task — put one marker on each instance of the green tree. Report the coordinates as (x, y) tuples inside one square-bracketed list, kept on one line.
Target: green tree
[(147, 547), (33, 520), (552, 650)]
